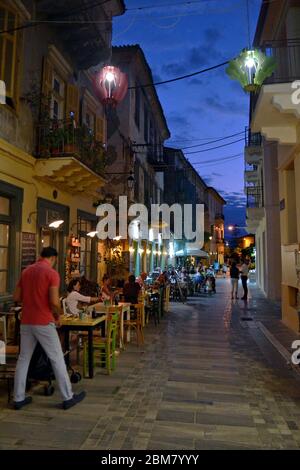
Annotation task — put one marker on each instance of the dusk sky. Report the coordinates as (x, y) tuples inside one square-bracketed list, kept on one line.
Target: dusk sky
[(184, 39)]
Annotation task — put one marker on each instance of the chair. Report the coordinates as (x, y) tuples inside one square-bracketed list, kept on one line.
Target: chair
[(136, 323), (152, 308), (64, 306), (104, 348), (3, 323)]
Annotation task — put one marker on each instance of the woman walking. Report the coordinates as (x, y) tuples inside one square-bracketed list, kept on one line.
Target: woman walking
[(234, 275)]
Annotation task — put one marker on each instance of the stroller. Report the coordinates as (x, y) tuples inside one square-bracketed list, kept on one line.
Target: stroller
[(40, 370)]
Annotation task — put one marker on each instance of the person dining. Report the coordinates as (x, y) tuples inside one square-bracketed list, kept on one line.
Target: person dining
[(106, 291), (142, 279), (131, 290), (74, 297)]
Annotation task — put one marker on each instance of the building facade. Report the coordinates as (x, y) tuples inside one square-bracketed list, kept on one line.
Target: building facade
[(275, 113), (137, 129), (184, 185), (52, 136)]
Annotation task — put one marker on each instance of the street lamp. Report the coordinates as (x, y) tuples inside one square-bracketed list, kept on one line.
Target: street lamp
[(251, 68), (111, 85), (130, 181)]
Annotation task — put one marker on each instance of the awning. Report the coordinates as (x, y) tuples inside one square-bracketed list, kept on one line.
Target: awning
[(197, 252), (192, 252)]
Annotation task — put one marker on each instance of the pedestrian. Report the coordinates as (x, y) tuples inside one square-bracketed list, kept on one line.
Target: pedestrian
[(244, 276), (224, 270), (38, 290), (234, 275)]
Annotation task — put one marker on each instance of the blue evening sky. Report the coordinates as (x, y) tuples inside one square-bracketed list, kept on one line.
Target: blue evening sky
[(184, 39)]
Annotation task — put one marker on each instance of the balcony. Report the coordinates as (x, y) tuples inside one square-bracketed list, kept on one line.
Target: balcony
[(155, 158), (253, 147), (219, 216), (69, 157), (251, 173), (273, 112), (255, 207)]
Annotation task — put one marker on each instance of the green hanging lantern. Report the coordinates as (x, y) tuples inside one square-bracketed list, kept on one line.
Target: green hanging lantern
[(251, 68)]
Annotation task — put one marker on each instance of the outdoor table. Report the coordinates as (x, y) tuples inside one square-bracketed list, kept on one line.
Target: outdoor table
[(87, 324), (123, 308)]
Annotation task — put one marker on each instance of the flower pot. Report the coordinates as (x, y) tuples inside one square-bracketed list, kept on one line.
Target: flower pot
[(70, 148)]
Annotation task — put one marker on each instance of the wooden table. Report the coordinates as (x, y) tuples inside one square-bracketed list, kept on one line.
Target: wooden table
[(123, 308), (75, 324)]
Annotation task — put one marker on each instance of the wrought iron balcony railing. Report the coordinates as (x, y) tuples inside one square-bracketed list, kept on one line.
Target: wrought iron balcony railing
[(287, 56), (252, 139), (61, 139), (255, 197)]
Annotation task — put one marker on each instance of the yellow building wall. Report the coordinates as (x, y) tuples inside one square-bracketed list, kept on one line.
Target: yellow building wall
[(18, 168)]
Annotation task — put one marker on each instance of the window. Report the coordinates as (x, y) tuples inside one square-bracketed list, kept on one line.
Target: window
[(87, 251), (4, 255), (58, 97), (90, 120), (137, 107), (146, 125), (8, 50)]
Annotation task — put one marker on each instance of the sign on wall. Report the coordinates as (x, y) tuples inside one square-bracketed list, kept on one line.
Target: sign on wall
[(28, 249)]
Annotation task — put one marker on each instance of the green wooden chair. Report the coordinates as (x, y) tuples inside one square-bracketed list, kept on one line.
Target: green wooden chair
[(104, 348)]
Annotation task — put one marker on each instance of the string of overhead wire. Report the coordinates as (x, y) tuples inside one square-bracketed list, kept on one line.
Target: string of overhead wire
[(214, 148), (218, 160), (213, 141)]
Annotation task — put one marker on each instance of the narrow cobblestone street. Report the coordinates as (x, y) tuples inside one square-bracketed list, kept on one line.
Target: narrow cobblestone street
[(206, 379)]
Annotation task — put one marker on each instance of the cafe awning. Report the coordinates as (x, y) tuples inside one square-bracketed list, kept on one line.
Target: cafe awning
[(192, 252)]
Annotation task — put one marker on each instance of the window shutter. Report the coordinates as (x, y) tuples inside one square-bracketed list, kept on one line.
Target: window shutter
[(100, 130), (72, 104), (47, 86)]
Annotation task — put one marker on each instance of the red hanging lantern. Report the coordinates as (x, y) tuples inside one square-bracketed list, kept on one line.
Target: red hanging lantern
[(111, 85)]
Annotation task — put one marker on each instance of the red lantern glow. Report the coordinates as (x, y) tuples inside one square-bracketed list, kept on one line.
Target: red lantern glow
[(111, 85)]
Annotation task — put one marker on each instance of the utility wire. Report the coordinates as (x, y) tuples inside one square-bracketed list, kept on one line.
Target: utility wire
[(213, 141), (182, 77), (213, 148)]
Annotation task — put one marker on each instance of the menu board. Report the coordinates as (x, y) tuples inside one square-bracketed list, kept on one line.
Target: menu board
[(28, 249)]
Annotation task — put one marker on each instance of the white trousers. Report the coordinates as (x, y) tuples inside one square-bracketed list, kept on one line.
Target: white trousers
[(48, 338)]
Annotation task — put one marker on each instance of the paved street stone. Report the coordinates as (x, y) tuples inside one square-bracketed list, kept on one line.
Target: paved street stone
[(205, 379)]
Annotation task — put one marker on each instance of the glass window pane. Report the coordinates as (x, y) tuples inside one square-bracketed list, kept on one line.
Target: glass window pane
[(3, 282), (89, 244), (4, 234), (88, 226), (4, 205), (3, 258), (8, 69), (45, 238), (82, 243)]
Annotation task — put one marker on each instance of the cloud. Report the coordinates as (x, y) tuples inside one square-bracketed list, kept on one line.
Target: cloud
[(198, 56), (217, 103), (178, 120), (196, 82)]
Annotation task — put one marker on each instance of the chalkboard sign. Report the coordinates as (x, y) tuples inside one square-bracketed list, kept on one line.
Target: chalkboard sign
[(28, 249)]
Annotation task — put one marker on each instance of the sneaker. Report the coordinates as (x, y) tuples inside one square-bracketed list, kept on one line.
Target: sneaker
[(77, 398), (19, 404)]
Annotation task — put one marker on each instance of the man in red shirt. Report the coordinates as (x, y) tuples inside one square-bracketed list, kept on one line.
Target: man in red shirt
[(38, 290)]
